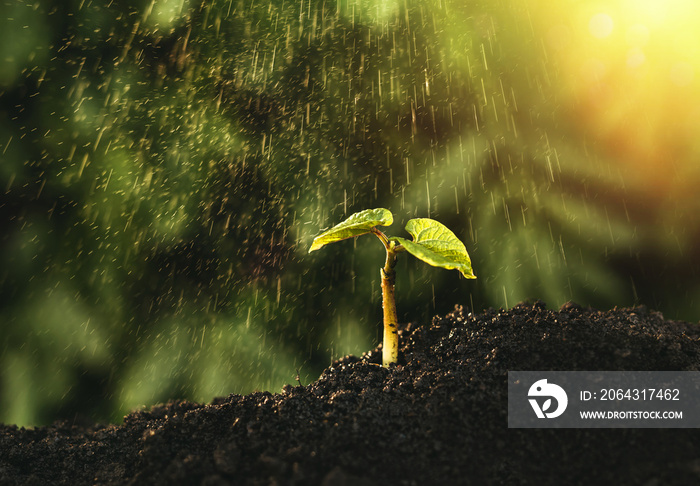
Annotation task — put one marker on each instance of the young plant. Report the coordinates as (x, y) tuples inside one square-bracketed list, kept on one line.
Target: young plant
[(432, 242)]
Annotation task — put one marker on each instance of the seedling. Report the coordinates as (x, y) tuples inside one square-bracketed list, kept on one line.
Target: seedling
[(432, 242)]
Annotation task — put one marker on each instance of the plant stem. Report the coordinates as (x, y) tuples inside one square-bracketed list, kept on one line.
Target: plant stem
[(390, 347)]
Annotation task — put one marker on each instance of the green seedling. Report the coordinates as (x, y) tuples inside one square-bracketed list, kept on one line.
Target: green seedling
[(432, 242)]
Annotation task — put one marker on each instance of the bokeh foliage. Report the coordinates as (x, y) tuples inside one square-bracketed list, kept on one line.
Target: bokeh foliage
[(165, 165)]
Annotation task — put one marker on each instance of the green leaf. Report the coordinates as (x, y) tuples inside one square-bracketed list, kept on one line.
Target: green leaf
[(436, 245), (356, 225)]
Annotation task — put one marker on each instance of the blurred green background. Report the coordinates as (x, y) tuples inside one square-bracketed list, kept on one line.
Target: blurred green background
[(164, 165)]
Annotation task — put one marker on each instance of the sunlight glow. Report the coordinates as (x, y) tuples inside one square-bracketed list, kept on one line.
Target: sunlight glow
[(638, 35), (635, 57), (630, 70), (682, 74), (601, 25)]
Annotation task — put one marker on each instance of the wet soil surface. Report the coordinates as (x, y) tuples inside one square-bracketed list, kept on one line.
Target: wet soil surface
[(439, 417)]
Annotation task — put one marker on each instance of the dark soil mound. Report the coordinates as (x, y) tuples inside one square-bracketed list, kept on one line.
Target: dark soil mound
[(440, 417)]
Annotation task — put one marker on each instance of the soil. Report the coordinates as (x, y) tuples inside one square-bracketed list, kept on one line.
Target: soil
[(438, 417)]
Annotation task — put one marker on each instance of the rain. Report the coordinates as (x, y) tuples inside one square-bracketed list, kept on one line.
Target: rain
[(164, 168)]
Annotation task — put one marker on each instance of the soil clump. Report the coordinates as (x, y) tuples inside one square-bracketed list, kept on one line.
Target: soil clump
[(438, 417)]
